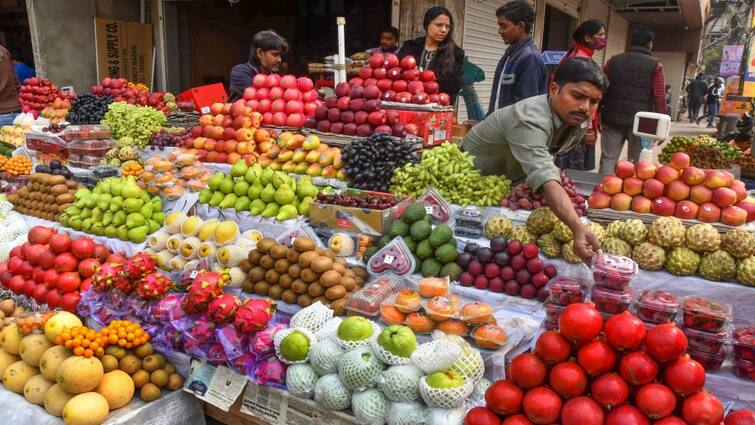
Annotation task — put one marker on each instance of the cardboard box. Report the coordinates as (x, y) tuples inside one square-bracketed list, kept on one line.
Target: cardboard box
[(204, 96), (434, 127), (356, 220)]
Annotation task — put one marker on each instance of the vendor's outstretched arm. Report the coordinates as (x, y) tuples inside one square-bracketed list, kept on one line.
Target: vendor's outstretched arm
[(585, 242)]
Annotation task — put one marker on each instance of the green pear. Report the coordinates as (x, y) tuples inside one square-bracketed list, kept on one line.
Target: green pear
[(286, 212), (97, 190), (226, 186), (159, 217), (267, 176), (96, 215), (75, 223), (228, 201), (144, 196), (98, 229), (254, 190), (250, 176), (107, 217), (63, 219), (241, 187), (239, 168), (242, 203), (284, 195), (130, 189), (119, 218), (86, 225), (103, 201), (116, 188), (257, 170), (111, 231), (105, 186), (279, 178), (131, 205), (205, 195), (86, 213), (257, 206), (304, 205), (135, 220), (157, 204), (90, 201), (116, 204), (214, 181), (268, 193), (81, 203), (216, 198), (153, 226), (81, 193), (146, 210), (123, 233), (138, 234), (270, 210), (73, 210)]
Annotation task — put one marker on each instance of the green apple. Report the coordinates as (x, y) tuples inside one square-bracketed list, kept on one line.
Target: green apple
[(295, 347), (355, 328), (445, 380), (398, 340)]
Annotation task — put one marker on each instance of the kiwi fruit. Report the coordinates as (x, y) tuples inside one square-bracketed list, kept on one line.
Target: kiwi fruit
[(175, 382), (256, 274), (245, 265), (169, 368), (109, 363), (339, 307), (303, 245), (309, 276), (339, 260), (153, 362), (340, 268), (130, 364), (359, 281), (144, 350), (272, 276), (282, 265), (349, 283), (265, 245), (330, 278), (321, 300), (294, 271), (299, 287), (140, 378), (278, 252), (335, 292), (289, 296), (149, 392), (247, 286), (292, 255), (304, 300), (322, 264), (306, 258), (315, 290), (285, 281), (261, 288), (275, 292), (254, 257), (361, 272), (267, 262), (159, 377)]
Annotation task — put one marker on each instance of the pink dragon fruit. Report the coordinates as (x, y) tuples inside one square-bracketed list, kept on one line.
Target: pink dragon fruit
[(206, 287), (203, 330), (262, 341), (153, 286), (222, 308), (124, 284), (138, 266), (270, 371), (106, 276), (254, 314)]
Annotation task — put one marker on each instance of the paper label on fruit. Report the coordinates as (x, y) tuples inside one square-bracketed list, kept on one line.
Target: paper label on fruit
[(389, 259), (429, 209), (205, 109)]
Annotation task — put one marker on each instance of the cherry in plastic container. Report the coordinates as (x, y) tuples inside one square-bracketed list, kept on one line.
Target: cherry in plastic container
[(710, 362), (613, 271), (705, 314), (744, 369), (553, 312), (611, 301), (705, 342), (656, 306), (550, 326), (743, 343), (566, 290)]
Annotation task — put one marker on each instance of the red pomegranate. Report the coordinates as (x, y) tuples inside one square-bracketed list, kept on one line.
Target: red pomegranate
[(685, 376), (626, 415), (610, 390), (504, 398), (670, 420), (552, 348), (481, 416), (568, 379), (519, 419), (666, 342), (625, 331), (581, 411), (740, 417), (596, 358), (542, 405), (638, 368), (527, 371), (580, 322), (701, 409), (655, 400)]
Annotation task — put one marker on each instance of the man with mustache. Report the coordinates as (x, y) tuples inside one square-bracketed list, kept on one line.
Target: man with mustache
[(519, 141)]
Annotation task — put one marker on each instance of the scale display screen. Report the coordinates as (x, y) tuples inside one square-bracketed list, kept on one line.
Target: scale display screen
[(647, 125)]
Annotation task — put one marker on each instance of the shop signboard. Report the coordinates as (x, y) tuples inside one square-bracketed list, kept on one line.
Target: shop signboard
[(731, 60), (123, 50)]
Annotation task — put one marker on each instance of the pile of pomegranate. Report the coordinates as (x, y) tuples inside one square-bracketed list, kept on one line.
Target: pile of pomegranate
[(627, 376)]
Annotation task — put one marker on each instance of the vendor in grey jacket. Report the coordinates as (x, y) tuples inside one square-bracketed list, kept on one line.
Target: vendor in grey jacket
[(519, 141)]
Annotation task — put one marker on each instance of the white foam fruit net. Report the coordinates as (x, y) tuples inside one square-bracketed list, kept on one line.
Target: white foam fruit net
[(331, 394), (400, 384), (359, 368), (446, 398), (370, 407), (478, 394), (312, 318), (470, 365), (436, 355), (386, 356), (406, 414), (350, 345), (329, 329), (324, 357), (301, 380), (279, 336), (438, 416)]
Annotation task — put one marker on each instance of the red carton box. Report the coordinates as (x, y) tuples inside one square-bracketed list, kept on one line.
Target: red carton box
[(434, 127), (204, 96)]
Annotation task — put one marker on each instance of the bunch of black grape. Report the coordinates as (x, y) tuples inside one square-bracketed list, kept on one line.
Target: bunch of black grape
[(88, 109), (370, 162), (167, 139)]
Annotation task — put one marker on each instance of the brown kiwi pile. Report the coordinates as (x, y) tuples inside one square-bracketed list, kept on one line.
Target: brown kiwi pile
[(45, 196), (301, 275)]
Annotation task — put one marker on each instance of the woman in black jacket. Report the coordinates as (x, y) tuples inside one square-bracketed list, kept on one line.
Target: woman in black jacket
[(437, 51)]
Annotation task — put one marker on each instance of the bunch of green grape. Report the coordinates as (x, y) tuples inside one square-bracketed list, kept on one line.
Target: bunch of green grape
[(453, 174), (137, 122)]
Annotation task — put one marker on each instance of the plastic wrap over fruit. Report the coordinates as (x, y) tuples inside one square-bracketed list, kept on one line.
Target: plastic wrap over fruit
[(406, 414), (329, 330), (261, 343), (118, 302), (234, 343), (91, 302), (270, 372), (161, 310), (438, 416), (168, 336), (436, 355), (137, 309)]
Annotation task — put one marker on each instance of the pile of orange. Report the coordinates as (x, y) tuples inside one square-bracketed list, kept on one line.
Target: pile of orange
[(83, 341), (16, 165), (124, 333), (138, 86), (132, 168), (29, 323)]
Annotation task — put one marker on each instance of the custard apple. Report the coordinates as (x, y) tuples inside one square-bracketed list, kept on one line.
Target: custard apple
[(633, 232), (406, 414), (125, 142), (301, 380), (567, 251), (331, 394), (746, 271), (739, 243), (613, 230), (324, 357), (562, 232), (718, 266), (597, 229), (682, 261), (649, 256), (703, 238), (521, 234), (359, 368), (667, 232), (549, 246), (370, 406), (541, 221), (616, 246), (127, 153), (497, 226), (400, 383), (112, 153)]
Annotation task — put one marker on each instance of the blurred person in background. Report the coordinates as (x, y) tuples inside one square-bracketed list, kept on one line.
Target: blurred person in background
[(9, 104), (265, 56), (388, 42)]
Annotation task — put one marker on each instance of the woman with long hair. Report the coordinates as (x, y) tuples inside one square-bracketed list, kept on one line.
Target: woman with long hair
[(437, 51), (588, 37)]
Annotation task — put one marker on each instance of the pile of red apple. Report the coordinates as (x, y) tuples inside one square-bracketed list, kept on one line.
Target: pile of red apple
[(507, 266), (630, 376), (400, 81), (282, 101), (229, 132), (36, 94), (676, 189), (122, 91), (53, 268)]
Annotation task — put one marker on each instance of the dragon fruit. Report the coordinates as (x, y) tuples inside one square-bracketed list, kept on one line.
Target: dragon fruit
[(106, 276), (222, 308), (139, 265), (203, 329), (206, 287), (153, 286), (160, 312), (124, 284), (262, 341), (216, 354), (254, 314), (270, 371)]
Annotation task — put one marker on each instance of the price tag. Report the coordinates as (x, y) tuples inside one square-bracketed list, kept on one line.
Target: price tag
[(429, 209), (389, 259), (205, 109), (193, 274)]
